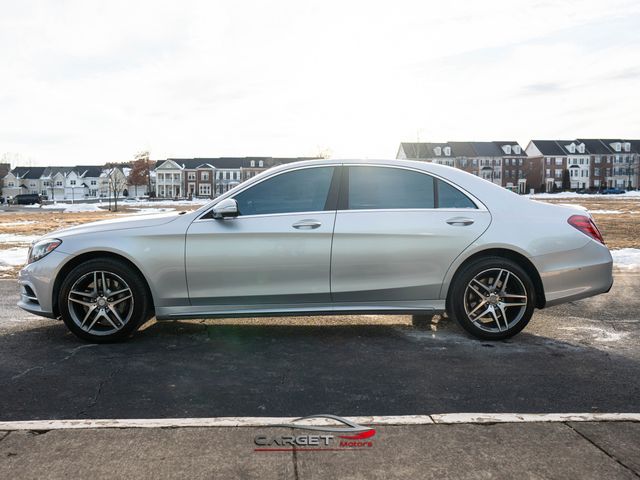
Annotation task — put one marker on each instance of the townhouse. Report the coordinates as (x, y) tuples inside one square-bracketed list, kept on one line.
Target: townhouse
[(587, 163), (22, 180), (59, 183), (504, 163)]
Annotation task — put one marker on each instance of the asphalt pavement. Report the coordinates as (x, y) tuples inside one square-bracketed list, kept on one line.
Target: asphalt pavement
[(579, 357)]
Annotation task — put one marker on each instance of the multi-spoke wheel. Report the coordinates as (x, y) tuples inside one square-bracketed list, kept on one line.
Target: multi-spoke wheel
[(103, 300), (492, 298)]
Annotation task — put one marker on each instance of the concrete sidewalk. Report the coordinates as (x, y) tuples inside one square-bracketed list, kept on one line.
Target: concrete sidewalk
[(509, 450)]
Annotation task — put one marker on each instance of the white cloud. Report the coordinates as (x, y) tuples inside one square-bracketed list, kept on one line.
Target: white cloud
[(92, 81)]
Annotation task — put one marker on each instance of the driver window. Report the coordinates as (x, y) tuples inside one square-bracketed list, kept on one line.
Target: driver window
[(302, 190)]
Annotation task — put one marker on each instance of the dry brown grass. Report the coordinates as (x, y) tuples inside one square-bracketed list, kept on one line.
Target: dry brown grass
[(620, 230)]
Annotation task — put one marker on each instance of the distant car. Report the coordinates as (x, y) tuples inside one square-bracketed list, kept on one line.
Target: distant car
[(582, 191), (613, 191), (325, 237), (26, 199)]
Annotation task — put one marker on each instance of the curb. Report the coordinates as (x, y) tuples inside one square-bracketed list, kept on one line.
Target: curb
[(445, 419)]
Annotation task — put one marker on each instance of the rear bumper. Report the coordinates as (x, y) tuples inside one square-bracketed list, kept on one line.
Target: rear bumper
[(575, 274)]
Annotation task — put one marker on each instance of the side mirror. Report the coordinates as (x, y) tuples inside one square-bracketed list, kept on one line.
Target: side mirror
[(225, 209)]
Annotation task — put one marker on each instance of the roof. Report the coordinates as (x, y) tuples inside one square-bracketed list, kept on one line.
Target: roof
[(28, 172), (459, 149), (88, 170), (231, 162), (595, 146), (52, 171), (549, 147)]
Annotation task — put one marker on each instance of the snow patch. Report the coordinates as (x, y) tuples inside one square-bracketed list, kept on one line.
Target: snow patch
[(607, 212), (633, 194), (15, 224), (13, 238), (626, 258), (13, 257)]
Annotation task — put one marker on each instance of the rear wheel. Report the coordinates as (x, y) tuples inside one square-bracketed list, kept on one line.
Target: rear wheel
[(492, 298), (103, 300)]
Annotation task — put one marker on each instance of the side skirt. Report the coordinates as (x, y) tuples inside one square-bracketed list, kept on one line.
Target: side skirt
[(273, 310)]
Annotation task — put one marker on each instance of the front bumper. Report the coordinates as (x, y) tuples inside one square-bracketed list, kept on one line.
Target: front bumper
[(36, 282), (575, 274)]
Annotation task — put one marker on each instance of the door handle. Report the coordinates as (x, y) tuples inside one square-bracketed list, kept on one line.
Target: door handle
[(306, 224), (460, 221)]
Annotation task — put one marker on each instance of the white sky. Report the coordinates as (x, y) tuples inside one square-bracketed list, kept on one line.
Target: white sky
[(90, 82)]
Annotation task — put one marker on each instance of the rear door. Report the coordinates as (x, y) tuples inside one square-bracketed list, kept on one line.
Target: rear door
[(397, 232)]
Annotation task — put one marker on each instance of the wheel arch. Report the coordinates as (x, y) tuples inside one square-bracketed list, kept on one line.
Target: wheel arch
[(516, 257), (93, 255)]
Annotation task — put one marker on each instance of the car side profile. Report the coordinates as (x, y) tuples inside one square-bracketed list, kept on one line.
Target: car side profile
[(325, 237)]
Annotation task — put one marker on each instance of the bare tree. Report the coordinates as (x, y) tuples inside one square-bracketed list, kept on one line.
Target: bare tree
[(323, 152), (117, 182)]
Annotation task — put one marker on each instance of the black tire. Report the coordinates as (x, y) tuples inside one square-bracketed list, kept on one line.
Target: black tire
[(118, 275), (463, 299)]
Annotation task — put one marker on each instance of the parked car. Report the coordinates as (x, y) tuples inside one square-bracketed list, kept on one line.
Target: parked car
[(320, 237), (26, 199), (613, 191)]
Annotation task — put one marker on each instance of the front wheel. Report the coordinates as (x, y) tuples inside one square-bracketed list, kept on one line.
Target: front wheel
[(492, 298), (103, 300)]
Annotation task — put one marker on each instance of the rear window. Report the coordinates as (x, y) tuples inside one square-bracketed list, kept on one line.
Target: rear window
[(376, 188), (451, 197), (385, 188)]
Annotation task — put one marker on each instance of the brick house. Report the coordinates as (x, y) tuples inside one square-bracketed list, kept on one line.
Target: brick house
[(587, 163)]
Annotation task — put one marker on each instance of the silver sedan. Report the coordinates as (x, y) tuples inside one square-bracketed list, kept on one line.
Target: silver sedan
[(325, 237)]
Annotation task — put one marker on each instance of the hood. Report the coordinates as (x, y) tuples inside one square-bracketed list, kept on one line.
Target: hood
[(115, 224)]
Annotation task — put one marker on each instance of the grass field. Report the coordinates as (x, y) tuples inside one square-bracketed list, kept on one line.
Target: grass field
[(618, 219)]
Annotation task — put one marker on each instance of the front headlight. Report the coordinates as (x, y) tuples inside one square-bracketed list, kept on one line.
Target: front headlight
[(42, 248)]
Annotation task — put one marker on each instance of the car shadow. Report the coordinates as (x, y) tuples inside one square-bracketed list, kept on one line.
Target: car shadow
[(222, 368)]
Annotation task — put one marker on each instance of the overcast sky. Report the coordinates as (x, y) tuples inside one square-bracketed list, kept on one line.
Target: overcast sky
[(90, 82)]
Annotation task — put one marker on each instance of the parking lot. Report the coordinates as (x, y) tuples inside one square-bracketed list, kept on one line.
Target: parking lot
[(579, 357)]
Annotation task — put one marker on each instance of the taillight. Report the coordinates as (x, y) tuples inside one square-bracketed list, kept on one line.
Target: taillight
[(587, 226)]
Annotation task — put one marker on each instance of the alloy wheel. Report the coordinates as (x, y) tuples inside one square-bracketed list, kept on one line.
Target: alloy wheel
[(100, 303), (495, 300)]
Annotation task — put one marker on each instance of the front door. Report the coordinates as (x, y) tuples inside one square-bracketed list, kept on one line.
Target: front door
[(276, 251), (397, 233)]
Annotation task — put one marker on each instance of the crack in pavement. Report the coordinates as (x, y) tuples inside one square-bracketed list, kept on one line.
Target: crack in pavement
[(22, 374), (611, 456), (94, 401), (5, 435)]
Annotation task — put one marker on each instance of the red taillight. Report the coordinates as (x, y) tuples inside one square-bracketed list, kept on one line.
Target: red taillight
[(587, 226)]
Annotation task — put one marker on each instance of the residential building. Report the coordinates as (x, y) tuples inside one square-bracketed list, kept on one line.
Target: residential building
[(22, 180), (58, 183), (587, 163), (502, 162)]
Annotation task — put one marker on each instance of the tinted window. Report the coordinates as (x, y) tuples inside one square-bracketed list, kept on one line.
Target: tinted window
[(381, 187), (298, 191), (450, 197)]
